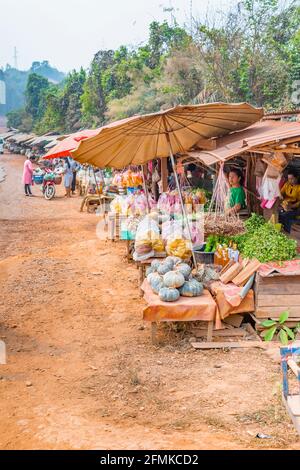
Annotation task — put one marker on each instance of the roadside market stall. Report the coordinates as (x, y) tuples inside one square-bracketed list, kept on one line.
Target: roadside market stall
[(266, 152), (140, 139)]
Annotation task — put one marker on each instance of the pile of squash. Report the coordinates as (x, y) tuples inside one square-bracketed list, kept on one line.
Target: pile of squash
[(172, 278)]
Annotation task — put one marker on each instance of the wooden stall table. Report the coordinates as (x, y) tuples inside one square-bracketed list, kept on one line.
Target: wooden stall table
[(202, 308), (92, 199), (143, 265)]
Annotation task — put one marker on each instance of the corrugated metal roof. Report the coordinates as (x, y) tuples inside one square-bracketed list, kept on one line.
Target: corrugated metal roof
[(8, 134), (262, 133), (43, 139), (21, 137)]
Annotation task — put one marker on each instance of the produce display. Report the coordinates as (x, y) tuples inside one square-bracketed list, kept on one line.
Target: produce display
[(171, 278), (169, 202), (220, 224), (261, 240), (267, 244), (179, 247), (127, 179), (206, 274), (132, 204)]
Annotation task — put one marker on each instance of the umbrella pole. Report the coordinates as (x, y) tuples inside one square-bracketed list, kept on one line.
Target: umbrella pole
[(145, 189), (182, 203)]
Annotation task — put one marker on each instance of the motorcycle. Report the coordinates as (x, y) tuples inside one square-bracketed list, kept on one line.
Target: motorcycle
[(48, 180)]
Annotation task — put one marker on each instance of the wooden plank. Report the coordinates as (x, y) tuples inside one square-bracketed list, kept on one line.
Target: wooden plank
[(234, 320), (293, 402), (222, 333), (228, 344), (293, 366), (295, 419), (279, 285), (246, 273), (252, 331), (227, 266), (210, 328), (231, 273), (274, 312), (267, 300)]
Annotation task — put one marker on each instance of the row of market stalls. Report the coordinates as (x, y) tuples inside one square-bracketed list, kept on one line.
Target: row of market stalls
[(233, 257), (233, 276), (29, 144), (250, 263)]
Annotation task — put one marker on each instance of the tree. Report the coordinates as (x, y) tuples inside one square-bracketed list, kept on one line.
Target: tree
[(93, 98), (35, 88)]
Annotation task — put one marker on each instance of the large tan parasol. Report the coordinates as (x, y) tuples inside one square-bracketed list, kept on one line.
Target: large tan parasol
[(138, 139)]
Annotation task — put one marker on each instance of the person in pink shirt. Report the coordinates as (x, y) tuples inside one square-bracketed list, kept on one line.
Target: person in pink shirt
[(28, 176)]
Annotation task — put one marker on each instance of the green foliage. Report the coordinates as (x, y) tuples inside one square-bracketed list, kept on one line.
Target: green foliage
[(254, 222), (16, 80), (35, 95), (267, 244), (250, 54), (283, 332), (263, 241), (19, 119)]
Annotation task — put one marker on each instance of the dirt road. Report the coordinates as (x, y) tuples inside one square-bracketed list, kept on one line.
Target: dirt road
[(82, 372)]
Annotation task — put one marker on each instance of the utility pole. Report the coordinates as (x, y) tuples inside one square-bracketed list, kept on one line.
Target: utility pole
[(191, 16), (15, 58)]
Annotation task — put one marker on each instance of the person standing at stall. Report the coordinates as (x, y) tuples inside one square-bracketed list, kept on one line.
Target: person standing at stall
[(290, 206), (237, 196), (28, 176), (68, 177), (75, 168)]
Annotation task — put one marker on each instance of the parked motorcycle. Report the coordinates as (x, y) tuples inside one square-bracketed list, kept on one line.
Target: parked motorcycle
[(48, 180)]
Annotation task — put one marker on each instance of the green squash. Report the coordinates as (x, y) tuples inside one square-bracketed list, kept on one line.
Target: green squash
[(169, 295), (156, 285), (173, 279), (174, 260), (164, 268), (191, 288), (184, 269), (154, 265), (149, 270), (153, 277)]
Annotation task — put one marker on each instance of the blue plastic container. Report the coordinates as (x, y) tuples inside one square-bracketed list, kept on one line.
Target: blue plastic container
[(38, 179)]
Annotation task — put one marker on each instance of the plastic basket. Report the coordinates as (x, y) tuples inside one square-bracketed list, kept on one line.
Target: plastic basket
[(57, 179), (202, 257), (38, 179)]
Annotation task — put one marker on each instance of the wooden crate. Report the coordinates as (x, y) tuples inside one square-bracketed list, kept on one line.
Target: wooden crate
[(275, 294), (114, 225)]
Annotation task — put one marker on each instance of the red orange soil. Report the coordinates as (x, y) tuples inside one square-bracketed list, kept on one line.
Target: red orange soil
[(82, 374)]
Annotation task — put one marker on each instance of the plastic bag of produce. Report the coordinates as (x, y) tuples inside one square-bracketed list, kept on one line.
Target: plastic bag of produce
[(172, 229), (179, 247), (148, 229)]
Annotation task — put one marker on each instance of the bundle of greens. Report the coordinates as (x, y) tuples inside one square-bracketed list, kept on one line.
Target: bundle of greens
[(267, 244), (262, 240)]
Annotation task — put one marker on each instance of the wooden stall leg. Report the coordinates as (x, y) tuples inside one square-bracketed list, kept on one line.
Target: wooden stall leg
[(210, 327), (141, 278), (153, 332)]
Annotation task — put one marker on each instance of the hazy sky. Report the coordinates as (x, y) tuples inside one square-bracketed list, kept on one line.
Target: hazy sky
[(69, 32)]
